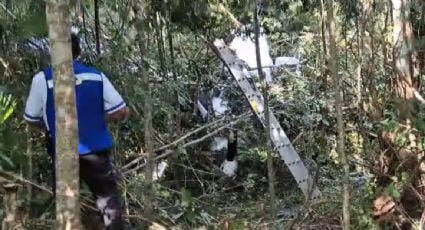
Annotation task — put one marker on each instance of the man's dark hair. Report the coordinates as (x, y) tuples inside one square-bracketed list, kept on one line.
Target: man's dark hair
[(76, 49)]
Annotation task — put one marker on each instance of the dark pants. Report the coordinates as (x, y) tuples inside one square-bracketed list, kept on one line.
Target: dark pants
[(97, 171)]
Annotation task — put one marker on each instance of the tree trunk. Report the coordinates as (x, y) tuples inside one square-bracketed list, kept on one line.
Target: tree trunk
[(402, 57), (359, 68), (143, 47), (325, 71), (149, 194), (333, 68), (11, 220), (29, 173), (97, 26), (177, 114), (67, 165), (361, 25), (404, 87), (164, 71), (265, 92)]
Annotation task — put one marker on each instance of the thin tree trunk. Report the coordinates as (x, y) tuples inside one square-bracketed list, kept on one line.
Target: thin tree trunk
[(270, 171), (360, 44), (148, 136), (359, 73), (29, 170), (176, 91), (325, 71), (164, 72), (66, 159), (333, 68), (385, 61), (143, 47), (175, 99), (83, 11), (160, 45), (97, 25)]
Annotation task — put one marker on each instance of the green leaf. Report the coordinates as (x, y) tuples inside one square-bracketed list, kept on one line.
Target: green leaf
[(405, 177), (165, 194), (7, 160), (325, 122), (7, 113), (177, 216), (7, 106), (186, 198), (393, 191)]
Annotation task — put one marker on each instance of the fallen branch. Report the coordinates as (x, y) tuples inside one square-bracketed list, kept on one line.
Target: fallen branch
[(169, 152), (418, 96), (178, 141), (174, 143)]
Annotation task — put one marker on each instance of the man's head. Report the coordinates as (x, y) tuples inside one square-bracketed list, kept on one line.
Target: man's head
[(76, 49)]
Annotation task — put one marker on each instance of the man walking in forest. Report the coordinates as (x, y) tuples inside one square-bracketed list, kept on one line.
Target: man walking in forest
[(97, 102)]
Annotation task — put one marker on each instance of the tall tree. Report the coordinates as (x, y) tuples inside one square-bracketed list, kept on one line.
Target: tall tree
[(333, 69), (140, 12), (265, 91), (404, 87), (325, 72), (361, 22), (407, 96), (177, 113), (67, 165)]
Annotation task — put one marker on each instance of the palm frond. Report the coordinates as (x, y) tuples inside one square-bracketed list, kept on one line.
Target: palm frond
[(7, 106)]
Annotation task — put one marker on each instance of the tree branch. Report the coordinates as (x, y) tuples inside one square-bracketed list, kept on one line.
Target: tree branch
[(193, 142), (175, 143), (418, 96)]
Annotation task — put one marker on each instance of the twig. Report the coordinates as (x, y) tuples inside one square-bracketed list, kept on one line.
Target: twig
[(418, 96), (198, 170), (297, 137), (418, 195), (196, 174), (221, 191), (5, 65), (198, 199)]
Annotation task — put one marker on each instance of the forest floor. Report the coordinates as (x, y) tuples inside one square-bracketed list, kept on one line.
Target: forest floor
[(243, 203)]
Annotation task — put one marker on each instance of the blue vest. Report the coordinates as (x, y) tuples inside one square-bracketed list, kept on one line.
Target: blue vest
[(92, 128)]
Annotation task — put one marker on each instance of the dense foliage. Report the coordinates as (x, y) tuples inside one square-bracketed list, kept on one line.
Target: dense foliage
[(180, 63)]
